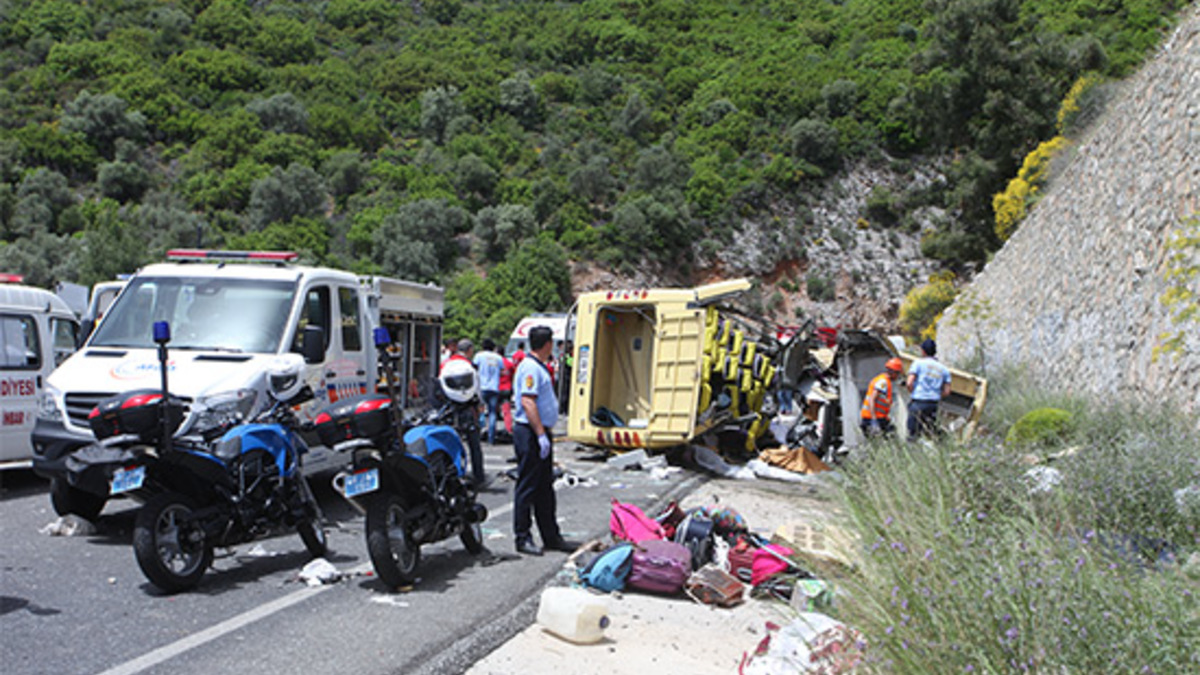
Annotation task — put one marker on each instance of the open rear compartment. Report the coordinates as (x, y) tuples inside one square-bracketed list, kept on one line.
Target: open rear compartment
[(623, 353)]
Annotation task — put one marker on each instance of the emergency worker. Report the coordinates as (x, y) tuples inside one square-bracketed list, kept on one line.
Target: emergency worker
[(876, 416), (534, 417), (929, 382)]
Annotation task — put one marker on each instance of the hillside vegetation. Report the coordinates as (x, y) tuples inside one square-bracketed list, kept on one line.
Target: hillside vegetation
[(484, 144)]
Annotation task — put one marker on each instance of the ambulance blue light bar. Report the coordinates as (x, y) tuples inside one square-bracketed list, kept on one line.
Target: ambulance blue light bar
[(193, 254)]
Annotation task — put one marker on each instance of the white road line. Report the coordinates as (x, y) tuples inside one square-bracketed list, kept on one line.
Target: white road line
[(176, 648), (151, 659)]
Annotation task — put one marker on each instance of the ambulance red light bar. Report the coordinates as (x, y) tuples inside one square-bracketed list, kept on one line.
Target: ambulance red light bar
[(193, 254), (627, 294), (11, 278)]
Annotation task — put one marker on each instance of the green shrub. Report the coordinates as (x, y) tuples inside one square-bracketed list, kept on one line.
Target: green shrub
[(1041, 427), (820, 288)]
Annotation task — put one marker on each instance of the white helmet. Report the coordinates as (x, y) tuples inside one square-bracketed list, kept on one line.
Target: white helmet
[(285, 376), (459, 381)]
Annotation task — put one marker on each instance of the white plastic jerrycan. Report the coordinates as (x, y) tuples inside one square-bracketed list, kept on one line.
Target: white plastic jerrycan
[(573, 614)]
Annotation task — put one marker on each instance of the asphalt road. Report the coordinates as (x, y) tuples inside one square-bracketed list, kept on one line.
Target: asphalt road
[(81, 605)]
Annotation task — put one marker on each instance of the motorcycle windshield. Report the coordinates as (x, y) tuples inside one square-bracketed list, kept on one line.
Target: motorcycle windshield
[(205, 313)]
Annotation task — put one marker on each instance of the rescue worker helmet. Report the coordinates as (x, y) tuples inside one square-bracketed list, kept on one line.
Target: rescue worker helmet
[(895, 365)]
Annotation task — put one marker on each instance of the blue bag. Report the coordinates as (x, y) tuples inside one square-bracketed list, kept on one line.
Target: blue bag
[(608, 570)]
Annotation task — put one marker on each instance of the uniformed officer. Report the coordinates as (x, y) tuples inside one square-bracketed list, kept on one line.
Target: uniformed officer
[(534, 418)]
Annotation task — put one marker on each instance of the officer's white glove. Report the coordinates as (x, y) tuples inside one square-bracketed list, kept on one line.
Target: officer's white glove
[(543, 446)]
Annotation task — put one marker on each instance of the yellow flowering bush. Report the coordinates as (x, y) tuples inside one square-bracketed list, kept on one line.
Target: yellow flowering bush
[(923, 306), (1011, 205)]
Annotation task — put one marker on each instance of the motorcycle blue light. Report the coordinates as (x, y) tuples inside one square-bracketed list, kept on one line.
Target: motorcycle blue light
[(381, 336), (162, 331)]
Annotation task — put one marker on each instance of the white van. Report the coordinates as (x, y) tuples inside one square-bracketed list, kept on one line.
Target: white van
[(37, 332)]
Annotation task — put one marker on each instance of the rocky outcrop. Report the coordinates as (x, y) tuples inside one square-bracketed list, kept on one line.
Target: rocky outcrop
[(1076, 294)]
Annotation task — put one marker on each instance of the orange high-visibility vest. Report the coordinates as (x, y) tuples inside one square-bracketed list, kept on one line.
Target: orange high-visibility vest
[(878, 403)]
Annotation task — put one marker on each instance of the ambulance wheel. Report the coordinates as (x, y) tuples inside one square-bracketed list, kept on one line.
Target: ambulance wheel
[(68, 499)]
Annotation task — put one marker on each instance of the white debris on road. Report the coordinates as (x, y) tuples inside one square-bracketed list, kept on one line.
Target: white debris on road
[(69, 526), (318, 572)]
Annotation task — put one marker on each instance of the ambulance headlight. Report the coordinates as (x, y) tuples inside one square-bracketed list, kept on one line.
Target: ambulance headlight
[(48, 409), (223, 409)]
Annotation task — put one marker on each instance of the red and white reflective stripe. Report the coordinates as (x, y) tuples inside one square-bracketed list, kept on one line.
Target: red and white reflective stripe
[(206, 254), (11, 279)]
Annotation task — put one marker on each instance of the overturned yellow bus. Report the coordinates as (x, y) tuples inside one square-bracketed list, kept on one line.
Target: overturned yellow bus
[(657, 367)]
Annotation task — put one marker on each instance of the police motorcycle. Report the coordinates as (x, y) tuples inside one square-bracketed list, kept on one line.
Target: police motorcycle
[(136, 447), (407, 477), (242, 486)]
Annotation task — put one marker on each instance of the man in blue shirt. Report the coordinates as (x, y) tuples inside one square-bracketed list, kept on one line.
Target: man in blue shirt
[(929, 382), (534, 417), (489, 364)]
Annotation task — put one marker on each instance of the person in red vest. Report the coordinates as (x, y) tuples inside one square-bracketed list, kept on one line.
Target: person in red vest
[(877, 406), (506, 386)]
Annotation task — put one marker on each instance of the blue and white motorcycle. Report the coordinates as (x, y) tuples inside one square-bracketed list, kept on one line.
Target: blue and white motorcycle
[(246, 485), (407, 478)]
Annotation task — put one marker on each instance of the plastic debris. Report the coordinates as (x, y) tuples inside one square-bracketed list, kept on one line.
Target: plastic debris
[(1187, 501), (388, 600), (319, 571), (1042, 479), (628, 460), (710, 460), (812, 643), (259, 552), (69, 526)]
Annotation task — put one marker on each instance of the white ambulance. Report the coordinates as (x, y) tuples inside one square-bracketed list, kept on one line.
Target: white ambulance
[(228, 319), (37, 332)]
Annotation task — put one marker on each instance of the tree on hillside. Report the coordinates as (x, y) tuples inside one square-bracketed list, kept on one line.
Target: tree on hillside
[(102, 119), (498, 229), (438, 107), (298, 192), (418, 242)]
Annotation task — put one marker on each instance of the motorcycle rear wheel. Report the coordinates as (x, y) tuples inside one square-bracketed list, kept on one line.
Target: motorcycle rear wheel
[(171, 551), (393, 553)]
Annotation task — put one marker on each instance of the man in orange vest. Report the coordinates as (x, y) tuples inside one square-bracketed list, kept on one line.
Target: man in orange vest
[(877, 406)]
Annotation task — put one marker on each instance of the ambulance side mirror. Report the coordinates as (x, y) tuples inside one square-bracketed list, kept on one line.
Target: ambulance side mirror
[(312, 346)]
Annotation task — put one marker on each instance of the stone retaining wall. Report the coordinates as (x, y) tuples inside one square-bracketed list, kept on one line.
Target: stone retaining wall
[(1076, 293)]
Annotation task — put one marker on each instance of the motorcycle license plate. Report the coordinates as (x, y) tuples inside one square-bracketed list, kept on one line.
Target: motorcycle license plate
[(362, 482), (125, 480)]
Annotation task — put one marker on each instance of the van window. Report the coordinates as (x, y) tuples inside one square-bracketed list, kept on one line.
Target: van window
[(66, 336), (351, 335), (239, 315), (19, 346), (315, 312)]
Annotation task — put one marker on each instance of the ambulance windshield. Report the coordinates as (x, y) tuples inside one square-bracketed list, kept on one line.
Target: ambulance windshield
[(234, 315)]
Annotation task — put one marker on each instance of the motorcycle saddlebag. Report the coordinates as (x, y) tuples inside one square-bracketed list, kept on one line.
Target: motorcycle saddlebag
[(368, 416), (135, 412)]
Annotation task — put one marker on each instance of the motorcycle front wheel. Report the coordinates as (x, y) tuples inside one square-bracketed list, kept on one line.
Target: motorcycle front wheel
[(310, 529), (170, 549), (472, 538), (313, 536), (393, 553)]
